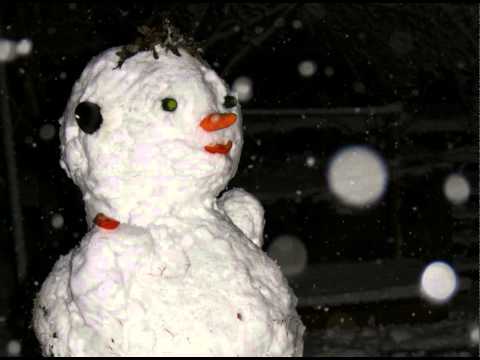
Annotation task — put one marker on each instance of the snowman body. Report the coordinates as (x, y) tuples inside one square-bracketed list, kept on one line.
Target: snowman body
[(182, 272)]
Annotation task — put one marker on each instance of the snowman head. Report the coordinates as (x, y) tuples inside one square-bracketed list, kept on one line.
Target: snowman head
[(150, 138)]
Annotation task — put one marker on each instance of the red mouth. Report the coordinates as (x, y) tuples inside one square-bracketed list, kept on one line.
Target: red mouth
[(105, 222), (219, 148)]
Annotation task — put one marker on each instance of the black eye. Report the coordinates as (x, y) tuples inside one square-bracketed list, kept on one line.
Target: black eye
[(169, 104), (88, 116), (229, 101)]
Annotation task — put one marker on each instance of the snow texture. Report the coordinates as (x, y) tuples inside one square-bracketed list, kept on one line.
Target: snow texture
[(182, 274)]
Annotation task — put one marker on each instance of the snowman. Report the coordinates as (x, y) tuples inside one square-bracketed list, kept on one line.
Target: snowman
[(171, 266)]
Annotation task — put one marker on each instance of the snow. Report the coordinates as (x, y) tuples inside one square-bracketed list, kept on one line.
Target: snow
[(357, 175), (456, 189), (331, 287), (438, 282), (10, 49), (359, 87), (57, 221), (107, 165), (24, 47), (297, 24), (474, 337), (243, 87), (167, 269), (7, 50), (290, 253), (310, 162), (307, 68), (246, 212), (47, 132), (14, 348), (329, 71)]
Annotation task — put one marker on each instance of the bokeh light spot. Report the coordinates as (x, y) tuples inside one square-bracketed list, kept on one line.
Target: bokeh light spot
[(57, 221), (438, 282), (456, 189), (290, 254), (307, 68), (357, 176), (243, 87)]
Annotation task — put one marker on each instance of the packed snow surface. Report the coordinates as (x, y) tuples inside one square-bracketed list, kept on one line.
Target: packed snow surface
[(181, 273)]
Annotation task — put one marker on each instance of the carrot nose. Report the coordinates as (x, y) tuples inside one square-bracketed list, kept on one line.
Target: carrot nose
[(218, 121)]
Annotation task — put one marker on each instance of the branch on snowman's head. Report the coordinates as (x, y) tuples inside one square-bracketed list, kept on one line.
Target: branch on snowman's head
[(166, 35)]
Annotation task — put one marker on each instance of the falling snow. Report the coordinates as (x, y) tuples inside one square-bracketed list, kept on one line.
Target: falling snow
[(290, 254), (310, 162), (14, 348), (357, 176), (7, 50), (10, 50), (24, 47), (329, 71), (243, 87), (307, 68), (474, 335), (456, 189), (359, 87), (438, 282), (47, 132), (297, 24), (57, 221)]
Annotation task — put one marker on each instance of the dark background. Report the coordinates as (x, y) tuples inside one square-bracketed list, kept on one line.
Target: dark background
[(423, 58)]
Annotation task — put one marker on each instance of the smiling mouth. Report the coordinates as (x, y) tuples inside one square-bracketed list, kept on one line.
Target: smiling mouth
[(219, 148)]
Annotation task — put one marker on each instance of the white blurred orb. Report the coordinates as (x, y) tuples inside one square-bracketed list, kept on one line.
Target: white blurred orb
[(243, 87), (7, 50), (329, 71), (307, 68), (359, 87), (310, 161), (438, 282), (290, 254), (14, 348), (357, 176), (24, 47), (57, 221), (474, 335), (297, 24), (47, 132), (456, 189)]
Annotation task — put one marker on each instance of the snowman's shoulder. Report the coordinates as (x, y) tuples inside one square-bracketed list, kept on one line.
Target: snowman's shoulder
[(238, 197), (245, 211)]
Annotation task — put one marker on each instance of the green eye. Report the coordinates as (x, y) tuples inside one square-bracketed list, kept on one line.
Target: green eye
[(169, 104), (229, 101)]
